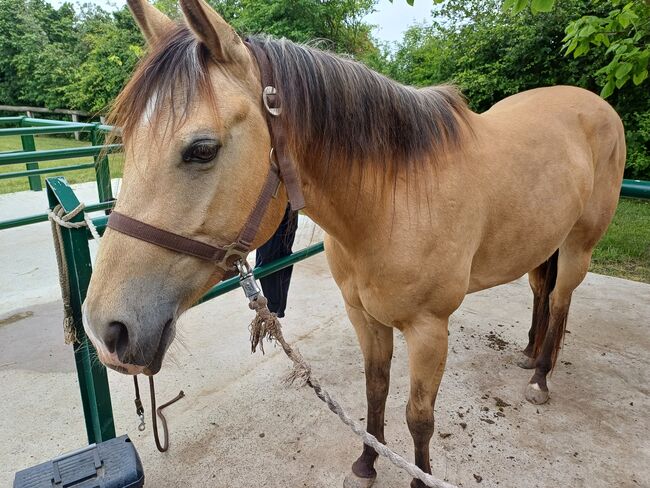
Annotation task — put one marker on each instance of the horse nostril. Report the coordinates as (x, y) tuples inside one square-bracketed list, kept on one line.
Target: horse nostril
[(116, 338)]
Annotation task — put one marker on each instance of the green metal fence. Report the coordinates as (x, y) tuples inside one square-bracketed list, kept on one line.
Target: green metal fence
[(27, 128)]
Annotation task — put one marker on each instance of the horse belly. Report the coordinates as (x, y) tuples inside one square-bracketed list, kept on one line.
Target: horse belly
[(528, 225)]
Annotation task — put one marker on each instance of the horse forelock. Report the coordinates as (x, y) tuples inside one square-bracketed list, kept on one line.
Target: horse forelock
[(171, 76)]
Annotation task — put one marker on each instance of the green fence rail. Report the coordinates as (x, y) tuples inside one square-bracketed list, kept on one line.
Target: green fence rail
[(635, 189), (27, 128)]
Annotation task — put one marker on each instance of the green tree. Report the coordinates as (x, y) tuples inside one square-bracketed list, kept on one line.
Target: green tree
[(111, 45), (491, 53), (625, 31), (37, 51), (338, 24)]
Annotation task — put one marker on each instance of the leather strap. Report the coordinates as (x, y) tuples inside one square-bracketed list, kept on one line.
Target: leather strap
[(224, 256), (273, 110), (282, 169)]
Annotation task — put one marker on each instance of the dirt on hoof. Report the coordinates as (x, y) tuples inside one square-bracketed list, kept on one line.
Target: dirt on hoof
[(525, 362), (354, 481), (535, 395)]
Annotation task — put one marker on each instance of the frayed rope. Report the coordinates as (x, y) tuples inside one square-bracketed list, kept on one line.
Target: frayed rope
[(266, 325)]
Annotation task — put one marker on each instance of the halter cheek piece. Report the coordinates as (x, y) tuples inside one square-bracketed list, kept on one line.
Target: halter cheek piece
[(281, 169)]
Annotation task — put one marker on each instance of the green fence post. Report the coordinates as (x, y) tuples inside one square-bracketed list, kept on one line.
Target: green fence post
[(93, 381), (102, 168), (34, 180)]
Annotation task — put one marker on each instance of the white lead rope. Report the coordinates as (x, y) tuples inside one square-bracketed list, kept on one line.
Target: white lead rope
[(59, 216)]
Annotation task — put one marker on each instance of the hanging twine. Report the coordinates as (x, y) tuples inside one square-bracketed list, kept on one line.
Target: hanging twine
[(58, 220), (266, 325)]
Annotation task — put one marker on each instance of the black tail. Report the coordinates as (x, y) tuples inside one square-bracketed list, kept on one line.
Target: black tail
[(543, 316)]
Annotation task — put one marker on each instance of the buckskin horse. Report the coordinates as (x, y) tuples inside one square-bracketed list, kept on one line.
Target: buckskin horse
[(423, 201)]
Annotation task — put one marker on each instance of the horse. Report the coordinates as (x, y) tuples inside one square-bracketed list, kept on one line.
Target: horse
[(423, 200)]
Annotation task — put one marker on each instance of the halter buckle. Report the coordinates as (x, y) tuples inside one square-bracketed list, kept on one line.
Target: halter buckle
[(267, 93)]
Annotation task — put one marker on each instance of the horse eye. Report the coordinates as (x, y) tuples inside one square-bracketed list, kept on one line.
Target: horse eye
[(202, 151)]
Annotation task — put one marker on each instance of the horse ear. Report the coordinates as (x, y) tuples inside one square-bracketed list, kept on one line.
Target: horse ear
[(215, 33), (152, 22)]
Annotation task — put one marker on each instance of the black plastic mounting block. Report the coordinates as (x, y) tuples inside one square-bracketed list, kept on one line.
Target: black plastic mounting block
[(111, 464)]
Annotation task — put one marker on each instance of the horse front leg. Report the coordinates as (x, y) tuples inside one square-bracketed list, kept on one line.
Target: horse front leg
[(376, 342), (427, 350)]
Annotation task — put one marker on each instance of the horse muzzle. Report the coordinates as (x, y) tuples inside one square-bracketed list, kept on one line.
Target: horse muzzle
[(129, 347)]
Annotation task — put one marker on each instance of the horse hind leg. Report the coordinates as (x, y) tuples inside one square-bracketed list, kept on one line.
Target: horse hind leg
[(542, 281), (572, 262), (376, 342)]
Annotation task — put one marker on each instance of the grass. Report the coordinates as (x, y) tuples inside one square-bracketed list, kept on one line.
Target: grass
[(12, 143), (624, 251)]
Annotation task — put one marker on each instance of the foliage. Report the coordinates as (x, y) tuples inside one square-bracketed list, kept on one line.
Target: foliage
[(60, 58), (625, 32), (111, 46), (36, 49), (624, 29), (491, 53), (338, 25)]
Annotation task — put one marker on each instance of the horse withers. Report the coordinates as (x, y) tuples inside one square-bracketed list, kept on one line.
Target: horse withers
[(423, 201)]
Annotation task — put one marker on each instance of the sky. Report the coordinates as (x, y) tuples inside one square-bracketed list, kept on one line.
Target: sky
[(390, 19)]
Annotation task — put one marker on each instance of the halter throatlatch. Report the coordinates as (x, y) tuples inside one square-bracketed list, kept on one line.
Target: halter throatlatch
[(282, 169)]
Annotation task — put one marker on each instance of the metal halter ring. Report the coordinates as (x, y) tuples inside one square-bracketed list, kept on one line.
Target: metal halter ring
[(268, 92)]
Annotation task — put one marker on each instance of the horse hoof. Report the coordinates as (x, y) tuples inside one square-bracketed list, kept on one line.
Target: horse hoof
[(535, 395), (354, 481), (525, 362)]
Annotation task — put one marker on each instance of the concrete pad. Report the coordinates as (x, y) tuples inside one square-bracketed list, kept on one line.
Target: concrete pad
[(239, 427)]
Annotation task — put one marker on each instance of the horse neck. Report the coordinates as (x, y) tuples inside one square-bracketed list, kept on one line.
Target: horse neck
[(346, 205)]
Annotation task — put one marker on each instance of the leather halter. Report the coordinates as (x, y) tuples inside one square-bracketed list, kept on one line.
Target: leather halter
[(282, 170)]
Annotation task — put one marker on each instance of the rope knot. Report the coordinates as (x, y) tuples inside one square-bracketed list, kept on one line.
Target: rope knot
[(265, 325)]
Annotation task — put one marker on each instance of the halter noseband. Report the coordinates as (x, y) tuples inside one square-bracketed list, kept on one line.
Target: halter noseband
[(282, 170)]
